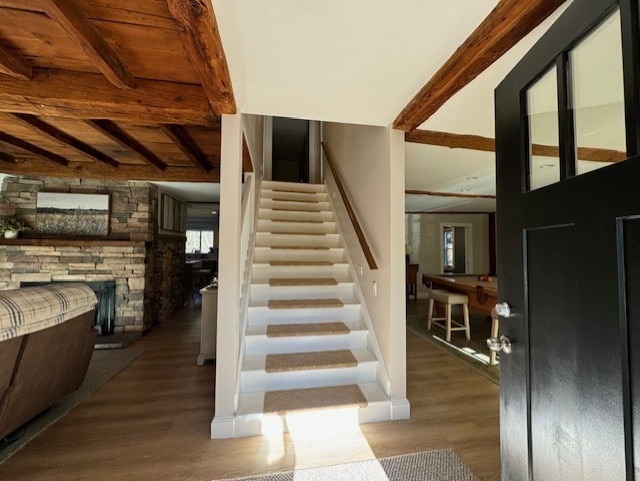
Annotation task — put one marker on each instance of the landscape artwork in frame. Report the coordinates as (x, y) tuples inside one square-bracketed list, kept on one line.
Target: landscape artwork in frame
[(81, 215)]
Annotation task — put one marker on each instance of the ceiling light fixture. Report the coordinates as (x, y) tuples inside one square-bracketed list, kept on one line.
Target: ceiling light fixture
[(213, 212), (472, 178), (464, 190), (547, 166)]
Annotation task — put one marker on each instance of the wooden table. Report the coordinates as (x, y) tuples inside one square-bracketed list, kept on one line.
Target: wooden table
[(483, 296)]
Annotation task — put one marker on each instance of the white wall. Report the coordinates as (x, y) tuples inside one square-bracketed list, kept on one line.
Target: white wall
[(253, 131), (370, 162), (422, 232)]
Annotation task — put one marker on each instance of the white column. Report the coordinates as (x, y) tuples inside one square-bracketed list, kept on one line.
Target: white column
[(229, 274), (397, 304)]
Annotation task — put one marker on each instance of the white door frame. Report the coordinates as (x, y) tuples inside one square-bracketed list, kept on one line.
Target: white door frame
[(468, 244)]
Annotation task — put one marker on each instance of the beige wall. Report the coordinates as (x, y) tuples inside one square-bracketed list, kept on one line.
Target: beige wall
[(422, 233), (253, 131), (370, 161)]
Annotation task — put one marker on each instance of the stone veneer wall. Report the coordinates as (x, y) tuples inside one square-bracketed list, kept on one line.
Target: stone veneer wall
[(128, 255), (169, 270), (85, 261)]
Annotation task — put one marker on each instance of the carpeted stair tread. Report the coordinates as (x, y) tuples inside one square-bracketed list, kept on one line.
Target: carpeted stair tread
[(305, 248), (304, 303), (313, 399), (296, 191), (300, 263), (274, 199), (303, 361), (294, 210), (303, 281), (297, 221), (307, 329), (297, 233)]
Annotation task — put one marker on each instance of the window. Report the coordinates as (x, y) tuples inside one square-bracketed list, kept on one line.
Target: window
[(448, 249), (199, 241)]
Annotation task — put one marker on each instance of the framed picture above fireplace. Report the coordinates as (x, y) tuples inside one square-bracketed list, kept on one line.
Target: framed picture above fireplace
[(77, 215)]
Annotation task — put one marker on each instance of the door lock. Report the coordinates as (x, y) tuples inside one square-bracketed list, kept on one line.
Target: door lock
[(496, 345)]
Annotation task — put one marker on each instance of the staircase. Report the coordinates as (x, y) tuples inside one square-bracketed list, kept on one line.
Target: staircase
[(307, 345)]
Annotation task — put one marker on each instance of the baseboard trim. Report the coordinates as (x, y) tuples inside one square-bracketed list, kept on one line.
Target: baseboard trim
[(400, 409), (223, 427)]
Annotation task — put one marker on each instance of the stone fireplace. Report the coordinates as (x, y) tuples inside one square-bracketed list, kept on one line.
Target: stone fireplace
[(127, 256)]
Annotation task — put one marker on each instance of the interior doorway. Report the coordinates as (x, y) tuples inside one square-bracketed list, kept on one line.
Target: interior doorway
[(456, 253), (290, 150)]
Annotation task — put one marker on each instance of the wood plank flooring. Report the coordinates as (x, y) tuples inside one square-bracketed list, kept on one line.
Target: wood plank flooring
[(152, 421)]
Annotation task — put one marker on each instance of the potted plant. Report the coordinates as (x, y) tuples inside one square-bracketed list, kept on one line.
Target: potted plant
[(11, 225)]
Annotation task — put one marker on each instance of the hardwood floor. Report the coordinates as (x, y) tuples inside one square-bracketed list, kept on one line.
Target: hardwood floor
[(152, 421)]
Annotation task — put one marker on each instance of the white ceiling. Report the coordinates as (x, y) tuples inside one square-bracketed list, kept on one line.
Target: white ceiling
[(470, 111), (357, 61), (191, 191)]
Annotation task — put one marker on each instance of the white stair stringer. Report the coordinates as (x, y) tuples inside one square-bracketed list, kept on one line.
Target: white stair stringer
[(299, 246)]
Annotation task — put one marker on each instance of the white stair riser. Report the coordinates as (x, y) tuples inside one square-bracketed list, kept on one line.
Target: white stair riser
[(266, 254), (308, 196), (261, 344), (252, 424), (266, 225), (260, 316), (303, 206), (298, 187), (294, 215), (267, 271), (260, 380), (262, 292), (264, 239)]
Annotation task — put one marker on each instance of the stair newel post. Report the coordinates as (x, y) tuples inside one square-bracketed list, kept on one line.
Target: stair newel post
[(229, 272)]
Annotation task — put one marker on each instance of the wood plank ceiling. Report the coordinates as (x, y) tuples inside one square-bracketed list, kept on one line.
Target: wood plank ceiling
[(112, 89)]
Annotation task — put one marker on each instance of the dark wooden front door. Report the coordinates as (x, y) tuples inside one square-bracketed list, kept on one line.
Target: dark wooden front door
[(568, 185)]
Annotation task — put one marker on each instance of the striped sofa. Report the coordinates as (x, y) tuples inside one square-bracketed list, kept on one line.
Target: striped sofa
[(46, 342)]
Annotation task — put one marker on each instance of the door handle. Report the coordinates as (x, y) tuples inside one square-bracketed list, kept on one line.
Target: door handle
[(502, 344), (503, 309)]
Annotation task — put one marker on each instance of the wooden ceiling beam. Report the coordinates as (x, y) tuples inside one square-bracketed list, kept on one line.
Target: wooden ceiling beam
[(115, 133), (96, 170), (487, 144), (181, 138), (506, 25), (449, 194), (8, 158), (13, 65), (41, 127), (453, 141), (34, 149), (63, 93), (201, 39), (71, 17)]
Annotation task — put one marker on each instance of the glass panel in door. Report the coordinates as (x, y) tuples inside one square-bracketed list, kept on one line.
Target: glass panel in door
[(598, 97), (542, 114)]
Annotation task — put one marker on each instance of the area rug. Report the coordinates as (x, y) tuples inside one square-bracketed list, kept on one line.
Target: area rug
[(103, 366), (440, 465), (474, 353)]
